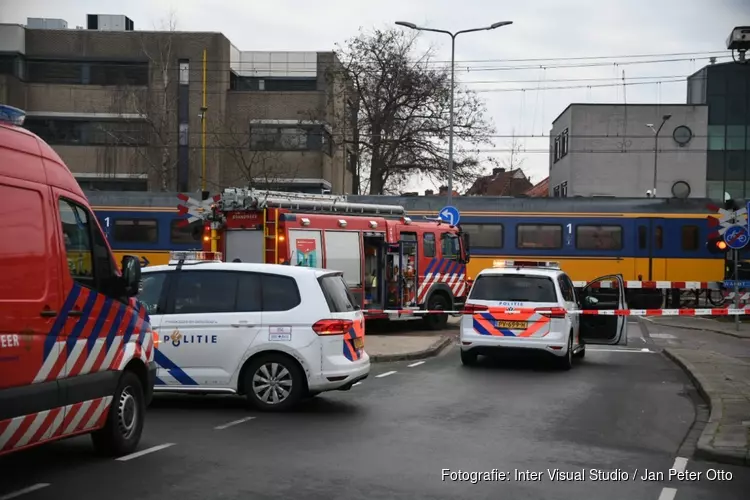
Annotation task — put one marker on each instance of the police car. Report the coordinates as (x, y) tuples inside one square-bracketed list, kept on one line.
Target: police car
[(272, 333), (534, 305)]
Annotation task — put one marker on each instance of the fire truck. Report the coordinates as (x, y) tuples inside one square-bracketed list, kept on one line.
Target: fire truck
[(395, 267)]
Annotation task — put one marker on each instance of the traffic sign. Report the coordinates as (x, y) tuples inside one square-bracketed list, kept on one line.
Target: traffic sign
[(740, 284), (736, 237), (450, 215)]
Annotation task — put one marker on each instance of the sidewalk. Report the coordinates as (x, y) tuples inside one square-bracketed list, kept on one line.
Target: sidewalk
[(697, 323), (406, 341), (719, 366)]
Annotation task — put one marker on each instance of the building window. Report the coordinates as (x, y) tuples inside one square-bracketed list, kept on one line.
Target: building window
[(690, 238), (270, 84), (564, 143), (598, 237), (484, 236), (564, 189), (556, 192), (736, 137), (539, 236), (715, 137), (184, 72), (82, 132), (135, 230), (557, 150), (111, 183), (87, 72), (290, 138)]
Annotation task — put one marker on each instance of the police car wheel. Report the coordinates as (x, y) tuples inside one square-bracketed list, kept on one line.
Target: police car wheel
[(566, 362), (468, 358), (122, 431), (581, 353), (273, 382)]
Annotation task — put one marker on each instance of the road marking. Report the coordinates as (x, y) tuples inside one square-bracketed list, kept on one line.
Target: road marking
[(356, 383), (680, 464), (30, 489), (385, 374), (623, 350), (235, 422), (144, 452), (667, 494), (416, 364)]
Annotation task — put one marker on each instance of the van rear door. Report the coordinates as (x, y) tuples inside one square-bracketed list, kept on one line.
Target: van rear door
[(341, 304)]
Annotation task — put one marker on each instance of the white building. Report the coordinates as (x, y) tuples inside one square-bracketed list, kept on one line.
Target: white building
[(608, 150)]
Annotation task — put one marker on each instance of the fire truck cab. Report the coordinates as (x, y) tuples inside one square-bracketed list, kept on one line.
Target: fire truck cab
[(394, 266)]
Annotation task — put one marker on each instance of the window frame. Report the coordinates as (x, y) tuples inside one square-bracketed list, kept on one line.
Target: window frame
[(518, 231), (618, 226), (173, 225), (432, 240), (481, 228), (137, 220), (697, 239)]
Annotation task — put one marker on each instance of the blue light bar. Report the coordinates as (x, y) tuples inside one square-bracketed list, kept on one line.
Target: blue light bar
[(12, 115)]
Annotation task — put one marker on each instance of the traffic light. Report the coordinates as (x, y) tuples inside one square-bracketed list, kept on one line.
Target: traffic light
[(717, 245)]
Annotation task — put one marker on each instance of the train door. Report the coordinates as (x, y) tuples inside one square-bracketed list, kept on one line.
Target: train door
[(650, 252)]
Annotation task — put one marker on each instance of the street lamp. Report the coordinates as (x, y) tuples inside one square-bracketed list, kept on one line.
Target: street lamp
[(656, 147), (453, 61)]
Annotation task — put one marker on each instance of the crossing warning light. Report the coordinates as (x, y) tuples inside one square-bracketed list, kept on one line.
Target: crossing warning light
[(717, 245)]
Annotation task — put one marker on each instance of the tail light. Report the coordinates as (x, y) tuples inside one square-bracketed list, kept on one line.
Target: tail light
[(157, 340), (332, 326), (474, 308), (551, 312)]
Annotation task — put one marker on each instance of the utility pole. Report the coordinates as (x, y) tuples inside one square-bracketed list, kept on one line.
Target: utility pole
[(656, 149)]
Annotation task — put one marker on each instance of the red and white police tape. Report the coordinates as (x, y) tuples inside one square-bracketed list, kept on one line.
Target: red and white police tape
[(655, 285), (717, 311)]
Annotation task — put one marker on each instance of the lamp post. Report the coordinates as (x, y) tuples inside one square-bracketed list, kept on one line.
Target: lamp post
[(453, 61), (656, 147)]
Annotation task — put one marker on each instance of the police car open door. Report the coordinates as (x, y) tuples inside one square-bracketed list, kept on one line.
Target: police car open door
[(604, 294)]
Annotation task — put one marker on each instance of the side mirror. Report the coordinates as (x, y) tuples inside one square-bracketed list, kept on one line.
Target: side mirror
[(131, 275), (590, 301), (466, 243)]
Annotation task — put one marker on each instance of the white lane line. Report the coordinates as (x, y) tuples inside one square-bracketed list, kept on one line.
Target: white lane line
[(385, 374), (623, 350), (680, 464), (144, 452), (235, 422), (24, 491), (667, 494), (416, 364), (356, 383)]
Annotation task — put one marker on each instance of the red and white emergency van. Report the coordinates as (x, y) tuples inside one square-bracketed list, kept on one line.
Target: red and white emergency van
[(390, 262), (76, 349)]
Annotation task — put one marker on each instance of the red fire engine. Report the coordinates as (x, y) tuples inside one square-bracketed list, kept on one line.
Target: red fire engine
[(389, 261)]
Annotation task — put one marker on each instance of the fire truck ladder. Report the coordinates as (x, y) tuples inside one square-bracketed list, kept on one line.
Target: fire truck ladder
[(255, 199)]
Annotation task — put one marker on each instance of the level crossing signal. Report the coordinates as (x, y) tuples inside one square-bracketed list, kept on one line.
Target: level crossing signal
[(716, 245)]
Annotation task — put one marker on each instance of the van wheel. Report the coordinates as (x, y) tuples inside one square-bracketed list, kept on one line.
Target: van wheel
[(468, 358), (580, 354), (122, 432), (436, 321), (566, 362), (273, 382)]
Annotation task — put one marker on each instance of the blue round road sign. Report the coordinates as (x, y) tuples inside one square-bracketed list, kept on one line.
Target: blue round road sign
[(736, 237), (450, 215)]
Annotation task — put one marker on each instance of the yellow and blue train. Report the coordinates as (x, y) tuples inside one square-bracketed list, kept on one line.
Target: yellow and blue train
[(641, 239)]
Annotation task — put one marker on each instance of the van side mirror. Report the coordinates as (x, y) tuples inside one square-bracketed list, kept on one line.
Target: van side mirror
[(466, 243), (131, 275)]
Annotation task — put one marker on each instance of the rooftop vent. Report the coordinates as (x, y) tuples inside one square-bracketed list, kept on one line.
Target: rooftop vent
[(106, 22)]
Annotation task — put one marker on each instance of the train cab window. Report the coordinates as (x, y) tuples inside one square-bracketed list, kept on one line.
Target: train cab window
[(484, 236), (135, 230), (185, 235), (597, 237), (642, 238), (659, 237), (539, 236), (690, 238), (428, 244)]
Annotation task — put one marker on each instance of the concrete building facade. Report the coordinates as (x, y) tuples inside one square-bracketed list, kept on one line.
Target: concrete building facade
[(608, 150), (124, 108)]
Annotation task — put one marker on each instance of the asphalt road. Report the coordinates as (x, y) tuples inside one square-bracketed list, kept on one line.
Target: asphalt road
[(394, 435)]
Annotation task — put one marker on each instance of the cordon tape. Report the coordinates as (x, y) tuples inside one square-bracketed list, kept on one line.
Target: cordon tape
[(599, 312)]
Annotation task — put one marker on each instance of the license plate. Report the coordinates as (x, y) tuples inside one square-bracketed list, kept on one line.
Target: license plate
[(359, 343), (513, 325)]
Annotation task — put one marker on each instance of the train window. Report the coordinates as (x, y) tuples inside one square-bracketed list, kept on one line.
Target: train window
[(428, 244), (539, 236), (598, 237), (185, 235), (642, 238), (135, 230), (690, 238), (489, 236), (659, 237)]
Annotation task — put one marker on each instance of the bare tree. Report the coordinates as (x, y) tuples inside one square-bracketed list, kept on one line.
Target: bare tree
[(403, 115), (514, 159), (155, 106)]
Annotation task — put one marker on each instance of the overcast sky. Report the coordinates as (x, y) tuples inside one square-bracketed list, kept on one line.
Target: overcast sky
[(543, 30)]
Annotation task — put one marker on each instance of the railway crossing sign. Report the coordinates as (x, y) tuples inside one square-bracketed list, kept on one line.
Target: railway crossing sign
[(194, 209), (450, 214), (736, 237)]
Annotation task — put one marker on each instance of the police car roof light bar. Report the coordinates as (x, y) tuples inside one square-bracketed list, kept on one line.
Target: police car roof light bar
[(194, 255), (256, 199), (14, 116), (526, 263)]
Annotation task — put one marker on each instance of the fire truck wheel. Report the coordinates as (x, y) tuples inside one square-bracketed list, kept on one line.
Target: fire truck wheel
[(436, 321), (122, 432)]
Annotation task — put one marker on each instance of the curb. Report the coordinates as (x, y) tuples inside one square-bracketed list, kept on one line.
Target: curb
[(722, 332), (704, 449), (431, 351)]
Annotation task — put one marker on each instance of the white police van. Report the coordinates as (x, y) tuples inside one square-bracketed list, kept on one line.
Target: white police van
[(541, 312), (273, 333)]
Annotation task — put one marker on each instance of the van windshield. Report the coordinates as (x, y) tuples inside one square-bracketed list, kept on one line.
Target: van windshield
[(514, 287)]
